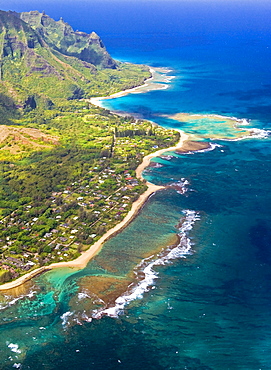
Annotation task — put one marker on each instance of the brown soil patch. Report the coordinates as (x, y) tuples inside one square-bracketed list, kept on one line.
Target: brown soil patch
[(191, 146), (15, 137)]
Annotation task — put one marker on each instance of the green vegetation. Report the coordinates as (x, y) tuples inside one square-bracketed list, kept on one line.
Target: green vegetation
[(5, 276), (55, 203), (67, 168), (61, 37), (45, 61)]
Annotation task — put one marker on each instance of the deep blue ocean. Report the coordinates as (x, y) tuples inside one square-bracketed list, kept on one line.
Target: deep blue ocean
[(205, 302)]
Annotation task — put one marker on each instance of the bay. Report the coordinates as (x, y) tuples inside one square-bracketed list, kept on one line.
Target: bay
[(206, 306)]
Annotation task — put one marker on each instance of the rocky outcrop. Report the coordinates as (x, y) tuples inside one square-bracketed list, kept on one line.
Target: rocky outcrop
[(46, 58), (43, 61), (16, 36), (60, 36)]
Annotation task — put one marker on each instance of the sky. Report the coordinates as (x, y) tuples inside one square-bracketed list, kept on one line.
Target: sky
[(110, 16), (19, 3), (26, 5)]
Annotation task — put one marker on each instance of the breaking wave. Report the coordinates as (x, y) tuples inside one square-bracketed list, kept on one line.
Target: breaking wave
[(10, 301), (212, 146), (180, 186), (146, 267), (255, 133)]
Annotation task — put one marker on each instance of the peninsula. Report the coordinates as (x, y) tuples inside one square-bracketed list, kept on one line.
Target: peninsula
[(81, 261), (70, 171)]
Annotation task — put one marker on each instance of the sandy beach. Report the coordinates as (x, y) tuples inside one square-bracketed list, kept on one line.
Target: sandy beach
[(81, 262), (148, 85), (85, 257), (146, 160)]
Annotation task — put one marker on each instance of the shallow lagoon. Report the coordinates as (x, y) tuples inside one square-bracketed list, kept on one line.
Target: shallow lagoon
[(211, 309)]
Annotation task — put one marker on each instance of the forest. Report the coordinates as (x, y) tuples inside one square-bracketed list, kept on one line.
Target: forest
[(57, 200)]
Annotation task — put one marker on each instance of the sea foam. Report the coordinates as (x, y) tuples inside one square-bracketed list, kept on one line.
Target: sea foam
[(65, 317), (255, 133), (146, 267), (10, 301), (180, 186), (212, 146)]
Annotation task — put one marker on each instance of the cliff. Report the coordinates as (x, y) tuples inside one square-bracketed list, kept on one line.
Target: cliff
[(43, 60), (60, 36)]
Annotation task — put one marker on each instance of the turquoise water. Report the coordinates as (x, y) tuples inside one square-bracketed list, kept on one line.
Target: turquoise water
[(187, 284)]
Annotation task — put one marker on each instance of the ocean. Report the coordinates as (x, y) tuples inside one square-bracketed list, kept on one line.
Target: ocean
[(187, 284)]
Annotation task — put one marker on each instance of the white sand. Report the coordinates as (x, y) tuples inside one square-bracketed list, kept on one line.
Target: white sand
[(81, 262)]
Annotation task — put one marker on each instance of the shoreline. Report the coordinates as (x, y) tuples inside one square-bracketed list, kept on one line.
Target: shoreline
[(98, 100), (146, 160), (81, 262)]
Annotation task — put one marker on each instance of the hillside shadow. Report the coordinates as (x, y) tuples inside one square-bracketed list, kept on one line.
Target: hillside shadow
[(8, 109)]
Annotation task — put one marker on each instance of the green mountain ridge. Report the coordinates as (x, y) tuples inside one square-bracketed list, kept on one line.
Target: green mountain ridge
[(43, 60), (61, 37), (67, 167)]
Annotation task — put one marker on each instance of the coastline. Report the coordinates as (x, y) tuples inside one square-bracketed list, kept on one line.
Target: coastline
[(158, 85), (80, 262), (146, 160)]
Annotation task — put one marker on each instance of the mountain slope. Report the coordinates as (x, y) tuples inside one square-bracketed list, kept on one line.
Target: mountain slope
[(61, 37), (42, 61)]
